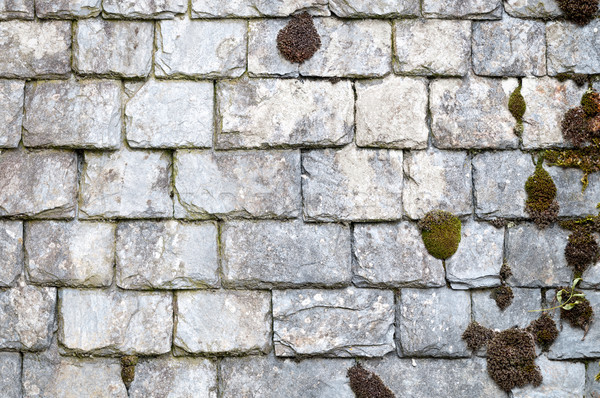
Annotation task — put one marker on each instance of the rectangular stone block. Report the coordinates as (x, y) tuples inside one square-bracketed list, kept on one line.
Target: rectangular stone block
[(35, 49), (12, 95), (352, 184), (41, 184), (264, 58), (469, 9), (380, 8), (256, 8), (98, 48), (84, 114), (560, 379), (573, 48), (10, 374), (67, 9), (487, 313), (11, 252), (16, 9), (546, 9), (144, 9), (289, 253), (182, 48), (108, 322), (237, 184), (339, 323), (231, 322), (592, 388), (572, 201)]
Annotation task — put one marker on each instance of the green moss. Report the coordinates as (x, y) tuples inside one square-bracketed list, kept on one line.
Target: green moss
[(586, 159), (578, 78), (366, 384), (579, 11), (517, 107), (541, 202), (128, 364), (590, 103), (440, 231)]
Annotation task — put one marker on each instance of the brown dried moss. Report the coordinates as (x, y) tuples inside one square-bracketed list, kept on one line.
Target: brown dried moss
[(579, 11), (581, 250), (477, 336), (579, 79), (544, 331), (503, 295), (440, 231), (366, 384), (581, 315), (299, 40), (505, 271), (541, 202), (575, 126)]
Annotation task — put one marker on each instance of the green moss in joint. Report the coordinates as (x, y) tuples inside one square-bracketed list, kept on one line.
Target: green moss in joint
[(541, 202), (586, 159), (440, 231), (517, 107)]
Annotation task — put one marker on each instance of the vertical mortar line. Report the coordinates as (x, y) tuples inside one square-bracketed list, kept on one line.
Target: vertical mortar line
[(172, 191), (354, 126), (80, 154), (353, 259), (21, 378), (397, 316), (303, 175), (174, 331), (220, 252), (218, 362), (470, 160), (152, 74), (428, 118), (115, 238), (217, 125)]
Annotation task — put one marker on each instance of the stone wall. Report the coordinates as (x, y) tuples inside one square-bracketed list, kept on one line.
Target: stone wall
[(172, 188)]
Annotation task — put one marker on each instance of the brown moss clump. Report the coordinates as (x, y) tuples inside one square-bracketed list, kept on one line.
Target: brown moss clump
[(499, 222), (594, 126), (544, 331), (299, 40), (578, 78), (128, 364), (586, 159), (581, 250), (477, 336), (366, 384), (581, 315), (590, 103), (579, 11), (575, 126), (503, 295), (505, 271), (541, 202), (516, 105), (440, 231)]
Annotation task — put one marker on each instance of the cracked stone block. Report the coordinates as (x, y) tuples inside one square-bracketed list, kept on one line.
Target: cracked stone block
[(572, 201), (144, 9), (35, 49), (256, 184), (166, 255), (98, 48), (472, 113), (546, 9), (430, 322), (378, 8), (232, 322), (274, 377), (12, 95), (487, 313), (105, 322), (67, 8), (262, 113), (16, 9), (171, 114), (10, 374), (182, 48), (11, 252), (537, 257), (519, 48), (68, 113), (256, 8), (339, 323), (477, 262), (432, 47), (264, 58), (560, 380), (499, 183), (352, 184), (393, 255), (391, 113), (46, 183), (592, 386), (126, 184), (469, 9), (174, 377), (266, 254), (437, 180), (573, 48), (78, 254)]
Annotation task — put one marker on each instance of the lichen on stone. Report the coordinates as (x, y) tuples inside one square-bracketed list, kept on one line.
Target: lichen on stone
[(579, 11), (440, 231), (477, 336), (366, 384), (503, 295), (299, 40), (541, 202), (544, 331)]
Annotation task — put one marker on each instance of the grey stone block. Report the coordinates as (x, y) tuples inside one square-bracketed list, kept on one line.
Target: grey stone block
[(256, 8), (10, 374), (591, 277), (144, 9), (264, 58), (573, 48), (532, 8), (592, 387), (561, 380), (11, 252), (17, 9), (572, 201), (487, 313), (379, 8), (12, 95), (470, 9), (67, 8)]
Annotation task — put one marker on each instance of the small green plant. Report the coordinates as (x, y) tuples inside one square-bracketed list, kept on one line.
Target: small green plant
[(568, 304)]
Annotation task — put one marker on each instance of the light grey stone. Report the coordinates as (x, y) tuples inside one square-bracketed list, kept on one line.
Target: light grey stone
[(340, 323), (237, 184), (76, 114), (477, 262), (592, 389), (168, 377), (12, 95), (256, 8), (532, 8), (391, 113), (232, 322), (290, 253), (104, 322), (79, 254), (437, 180), (46, 183), (591, 277), (499, 183), (260, 113), (472, 113), (487, 313), (10, 374), (352, 184), (377, 8), (573, 48), (67, 8), (98, 48), (171, 114), (393, 255), (126, 184), (11, 252), (166, 255), (21, 9), (430, 322), (264, 58), (273, 378), (470, 9), (572, 201), (432, 47), (560, 380), (510, 47), (35, 49), (144, 9), (182, 48)]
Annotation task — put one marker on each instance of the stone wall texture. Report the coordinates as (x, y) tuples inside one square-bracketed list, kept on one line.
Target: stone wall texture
[(172, 188)]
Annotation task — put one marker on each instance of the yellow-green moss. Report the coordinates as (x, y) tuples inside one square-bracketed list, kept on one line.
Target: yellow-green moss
[(590, 103), (440, 231), (517, 107), (128, 364), (586, 159), (541, 202)]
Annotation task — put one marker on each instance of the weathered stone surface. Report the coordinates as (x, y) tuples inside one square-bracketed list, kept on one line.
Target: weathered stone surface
[(487, 313), (510, 47), (256, 8), (437, 180), (432, 47), (115, 322), (11, 252), (84, 114), (477, 262), (10, 374), (21, 9), (591, 277), (169, 114), (592, 388), (126, 184), (391, 113), (260, 113), (532, 8), (274, 378), (98, 47), (472, 113), (537, 257), (561, 380), (182, 48), (12, 95), (35, 49), (168, 377), (378, 8), (352, 184), (223, 321), (144, 9), (166, 255), (430, 322), (341, 323), (264, 58), (290, 253), (237, 184), (393, 255), (499, 179), (75, 253), (67, 8), (46, 183), (571, 200), (471, 9), (573, 48)]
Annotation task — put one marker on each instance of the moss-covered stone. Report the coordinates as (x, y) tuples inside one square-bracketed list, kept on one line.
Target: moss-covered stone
[(590, 103), (581, 250), (503, 295), (128, 364), (586, 159), (541, 202), (366, 384), (440, 231), (575, 127), (477, 336), (579, 11), (581, 314), (578, 78), (516, 105), (544, 331), (299, 40), (505, 271)]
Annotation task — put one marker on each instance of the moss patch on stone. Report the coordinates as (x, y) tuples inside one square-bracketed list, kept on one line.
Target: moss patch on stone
[(517, 107), (581, 315), (579, 11), (505, 271), (578, 78), (128, 364), (440, 231), (575, 126), (544, 331), (581, 250), (299, 40), (366, 384), (590, 103), (477, 336), (541, 202), (503, 295), (586, 159)]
